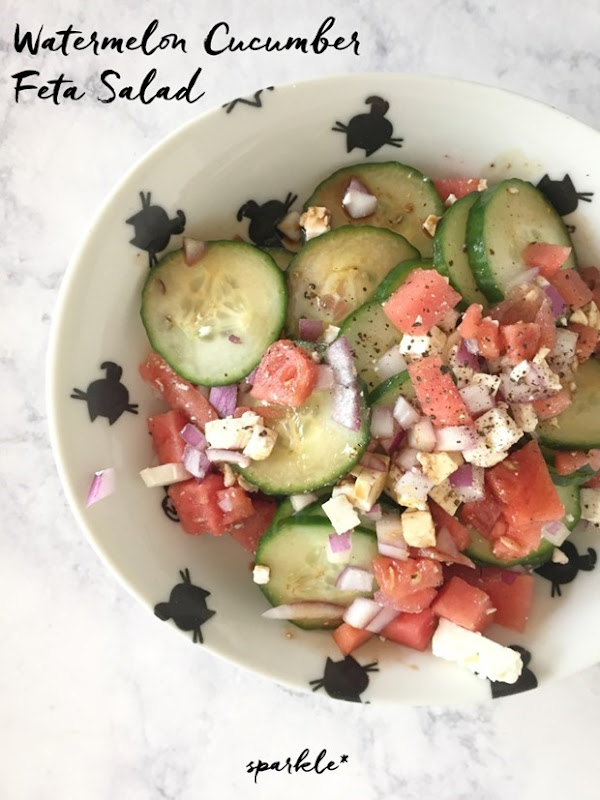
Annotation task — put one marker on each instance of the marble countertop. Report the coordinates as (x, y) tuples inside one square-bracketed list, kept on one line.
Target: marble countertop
[(99, 701)]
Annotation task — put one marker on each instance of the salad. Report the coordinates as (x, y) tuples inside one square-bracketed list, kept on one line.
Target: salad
[(395, 412)]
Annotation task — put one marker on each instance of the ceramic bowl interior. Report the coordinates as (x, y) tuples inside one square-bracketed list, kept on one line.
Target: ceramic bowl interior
[(276, 145)]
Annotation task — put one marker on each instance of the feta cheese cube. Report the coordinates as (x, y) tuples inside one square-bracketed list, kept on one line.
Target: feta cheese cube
[(525, 416), (368, 486), (448, 323), (315, 221), (231, 433), (445, 496), (490, 382), (261, 443), (330, 334), (290, 226), (430, 224), (164, 475), (415, 347), (558, 557), (579, 316), (418, 529), (439, 466), (590, 505), (389, 528), (519, 372), (498, 430), (411, 489), (341, 514), (482, 656), (261, 574)]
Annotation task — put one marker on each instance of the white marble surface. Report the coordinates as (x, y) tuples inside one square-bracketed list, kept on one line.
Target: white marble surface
[(98, 700)]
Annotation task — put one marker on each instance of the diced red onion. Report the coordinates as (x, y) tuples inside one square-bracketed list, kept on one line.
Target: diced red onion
[(374, 514), (325, 378), (374, 461), (422, 436), (340, 357), (227, 457), (361, 612), (477, 399), (435, 554), (393, 443), (102, 485), (455, 438), (556, 300), (310, 329), (346, 406), (357, 200), (300, 501), (533, 386), (234, 339), (404, 413), (465, 357), (415, 483), (193, 436), (527, 276), (406, 458), (393, 551), (340, 542), (193, 250), (224, 399), (354, 579), (472, 346), (389, 530), (392, 362), (306, 609), (385, 616), (225, 503), (555, 532), (382, 422), (195, 461), (563, 357), (467, 482)]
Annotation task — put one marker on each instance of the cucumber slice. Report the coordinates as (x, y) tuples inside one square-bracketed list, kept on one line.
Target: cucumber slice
[(280, 256), (480, 551), (578, 427), (397, 276), (405, 198), (390, 390), (370, 334), (338, 271), (312, 450), (450, 250), (501, 223), (570, 497), (296, 554), (213, 321)]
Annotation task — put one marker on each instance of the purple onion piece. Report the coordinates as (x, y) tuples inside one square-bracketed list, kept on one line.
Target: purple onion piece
[(556, 300), (193, 436), (310, 329), (224, 399)]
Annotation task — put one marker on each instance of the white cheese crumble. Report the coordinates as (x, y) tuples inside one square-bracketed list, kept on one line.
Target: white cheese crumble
[(341, 514), (261, 574), (482, 656), (590, 505), (439, 466), (418, 529), (315, 221)]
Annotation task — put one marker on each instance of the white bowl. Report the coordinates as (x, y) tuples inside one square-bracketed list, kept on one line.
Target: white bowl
[(277, 142)]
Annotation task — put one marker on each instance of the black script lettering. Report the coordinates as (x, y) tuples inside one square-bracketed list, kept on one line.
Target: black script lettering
[(208, 41), (55, 89), (145, 95), (27, 41)]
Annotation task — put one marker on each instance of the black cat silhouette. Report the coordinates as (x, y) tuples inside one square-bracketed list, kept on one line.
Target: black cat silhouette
[(264, 219), (525, 681), (346, 679), (559, 574), (369, 131), (153, 228), (562, 194), (186, 607), (107, 397)]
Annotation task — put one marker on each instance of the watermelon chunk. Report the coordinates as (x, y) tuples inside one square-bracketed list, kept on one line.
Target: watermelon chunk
[(412, 630), (421, 302), (437, 393), (464, 604), (165, 430)]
